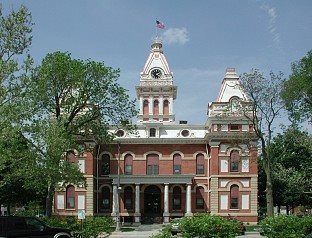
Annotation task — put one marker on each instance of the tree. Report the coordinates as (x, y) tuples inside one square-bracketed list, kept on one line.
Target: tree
[(297, 90), (71, 100), (266, 106), (15, 64), (291, 162)]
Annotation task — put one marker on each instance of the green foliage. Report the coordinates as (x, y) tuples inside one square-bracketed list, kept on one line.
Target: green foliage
[(307, 224), (165, 233), (291, 153), (208, 226), (297, 91), (90, 227), (284, 226)]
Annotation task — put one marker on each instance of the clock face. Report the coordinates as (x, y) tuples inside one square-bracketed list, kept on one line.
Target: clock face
[(156, 73)]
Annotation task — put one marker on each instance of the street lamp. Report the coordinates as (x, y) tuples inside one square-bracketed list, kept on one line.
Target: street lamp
[(118, 191)]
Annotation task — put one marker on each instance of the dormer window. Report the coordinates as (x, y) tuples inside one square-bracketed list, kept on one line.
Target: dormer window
[(120, 133), (234, 104), (185, 133), (152, 132)]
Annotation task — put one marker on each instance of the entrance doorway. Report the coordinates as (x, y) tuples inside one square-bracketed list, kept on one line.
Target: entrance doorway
[(152, 205)]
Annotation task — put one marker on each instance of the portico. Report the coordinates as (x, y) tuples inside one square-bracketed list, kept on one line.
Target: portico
[(142, 183)]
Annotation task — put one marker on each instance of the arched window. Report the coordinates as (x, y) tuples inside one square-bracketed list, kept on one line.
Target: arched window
[(70, 197), (145, 107), (177, 161), (128, 198), (234, 161), (105, 164), (105, 198), (200, 164), (176, 198), (234, 101), (156, 108), (166, 108), (200, 202), (152, 164), (152, 132), (234, 197), (128, 163)]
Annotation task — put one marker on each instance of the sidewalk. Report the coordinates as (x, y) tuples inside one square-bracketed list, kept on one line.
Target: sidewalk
[(252, 234), (146, 231), (142, 231)]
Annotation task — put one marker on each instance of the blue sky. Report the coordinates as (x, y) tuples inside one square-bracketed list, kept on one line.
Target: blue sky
[(201, 39)]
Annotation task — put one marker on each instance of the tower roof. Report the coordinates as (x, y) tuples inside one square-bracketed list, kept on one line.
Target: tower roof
[(156, 59), (230, 87)]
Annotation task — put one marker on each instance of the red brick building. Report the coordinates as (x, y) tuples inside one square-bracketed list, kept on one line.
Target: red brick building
[(171, 169)]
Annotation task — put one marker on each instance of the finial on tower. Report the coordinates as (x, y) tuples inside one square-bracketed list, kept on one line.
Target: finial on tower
[(157, 45)]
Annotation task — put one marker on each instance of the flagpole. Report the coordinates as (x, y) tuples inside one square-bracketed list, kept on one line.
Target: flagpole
[(156, 32)]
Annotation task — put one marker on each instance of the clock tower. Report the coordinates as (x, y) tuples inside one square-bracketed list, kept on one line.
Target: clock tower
[(156, 91)]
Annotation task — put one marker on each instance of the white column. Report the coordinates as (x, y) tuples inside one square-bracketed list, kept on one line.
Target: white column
[(161, 105), (137, 214), (166, 203), (151, 104), (166, 198), (115, 198), (170, 106), (188, 200), (141, 105)]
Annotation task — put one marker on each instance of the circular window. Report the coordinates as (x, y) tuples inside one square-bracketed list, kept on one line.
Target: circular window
[(120, 133), (185, 133)]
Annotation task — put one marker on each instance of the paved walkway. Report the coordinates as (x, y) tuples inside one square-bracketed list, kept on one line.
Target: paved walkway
[(146, 231), (142, 231)]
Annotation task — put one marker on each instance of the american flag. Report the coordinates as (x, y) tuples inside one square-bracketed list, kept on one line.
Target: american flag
[(160, 24)]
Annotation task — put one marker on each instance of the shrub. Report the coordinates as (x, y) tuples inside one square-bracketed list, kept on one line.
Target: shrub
[(283, 226), (209, 226), (307, 224), (91, 226), (165, 233)]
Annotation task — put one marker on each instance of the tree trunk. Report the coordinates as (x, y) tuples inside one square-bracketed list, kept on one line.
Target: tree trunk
[(269, 195), (268, 186), (49, 201)]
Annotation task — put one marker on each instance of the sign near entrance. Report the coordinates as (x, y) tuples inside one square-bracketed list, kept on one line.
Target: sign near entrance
[(81, 214)]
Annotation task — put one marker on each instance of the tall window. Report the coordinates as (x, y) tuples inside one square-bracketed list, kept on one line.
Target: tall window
[(105, 166), (128, 164), (105, 198), (152, 132), (200, 164), (152, 164), (145, 107), (156, 108), (166, 107), (200, 202), (70, 197), (234, 161), (128, 198), (176, 199), (177, 161), (234, 197)]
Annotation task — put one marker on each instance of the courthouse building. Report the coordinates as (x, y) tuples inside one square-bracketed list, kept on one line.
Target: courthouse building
[(169, 168)]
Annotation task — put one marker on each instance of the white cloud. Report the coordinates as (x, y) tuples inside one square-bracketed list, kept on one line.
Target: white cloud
[(176, 36), (271, 11)]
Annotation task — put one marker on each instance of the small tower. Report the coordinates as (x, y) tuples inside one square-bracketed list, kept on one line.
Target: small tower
[(156, 91)]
